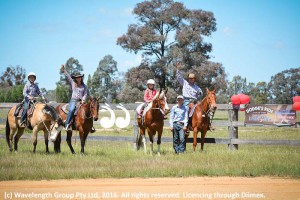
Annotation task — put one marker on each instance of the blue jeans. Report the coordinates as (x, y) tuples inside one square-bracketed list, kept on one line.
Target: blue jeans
[(72, 107), (178, 138), (25, 108)]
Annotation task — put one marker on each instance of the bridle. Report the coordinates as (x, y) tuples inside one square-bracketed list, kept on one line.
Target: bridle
[(211, 111), (159, 107), (93, 106)]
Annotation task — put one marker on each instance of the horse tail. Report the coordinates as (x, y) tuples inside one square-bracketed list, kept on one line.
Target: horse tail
[(7, 131)]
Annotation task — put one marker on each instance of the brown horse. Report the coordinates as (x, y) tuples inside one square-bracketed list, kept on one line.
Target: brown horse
[(83, 123), (154, 120), (202, 116), (44, 117)]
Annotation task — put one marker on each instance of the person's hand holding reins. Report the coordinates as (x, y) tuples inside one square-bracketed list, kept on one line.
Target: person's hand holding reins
[(171, 129), (82, 101), (184, 129)]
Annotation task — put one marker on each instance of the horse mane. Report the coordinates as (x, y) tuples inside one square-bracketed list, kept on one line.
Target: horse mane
[(51, 111)]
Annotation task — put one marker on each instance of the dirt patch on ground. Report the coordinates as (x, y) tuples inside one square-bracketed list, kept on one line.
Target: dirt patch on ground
[(154, 188)]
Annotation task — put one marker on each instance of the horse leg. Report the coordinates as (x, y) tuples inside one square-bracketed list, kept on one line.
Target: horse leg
[(46, 141), (35, 131), (57, 143), (203, 133), (151, 143), (11, 137), (17, 137), (195, 138), (69, 140), (83, 137), (142, 133), (159, 142)]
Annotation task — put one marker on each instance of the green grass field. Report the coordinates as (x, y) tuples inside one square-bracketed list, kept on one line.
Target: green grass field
[(118, 160)]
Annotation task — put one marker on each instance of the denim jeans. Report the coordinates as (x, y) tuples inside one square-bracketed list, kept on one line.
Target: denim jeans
[(72, 105), (178, 138), (25, 108)]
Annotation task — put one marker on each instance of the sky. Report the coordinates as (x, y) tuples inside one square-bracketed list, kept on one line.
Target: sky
[(255, 39)]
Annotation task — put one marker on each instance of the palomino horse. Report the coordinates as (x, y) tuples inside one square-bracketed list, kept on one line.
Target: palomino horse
[(41, 119), (154, 120), (83, 123), (202, 116)]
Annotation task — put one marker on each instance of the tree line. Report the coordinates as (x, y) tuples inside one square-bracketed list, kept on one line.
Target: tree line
[(112, 88), (166, 32)]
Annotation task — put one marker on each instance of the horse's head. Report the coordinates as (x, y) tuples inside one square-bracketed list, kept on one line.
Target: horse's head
[(94, 105), (160, 102), (211, 99)]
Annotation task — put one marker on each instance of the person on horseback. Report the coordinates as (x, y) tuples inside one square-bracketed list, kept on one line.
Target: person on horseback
[(190, 91), (150, 92), (79, 93), (30, 91), (178, 124)]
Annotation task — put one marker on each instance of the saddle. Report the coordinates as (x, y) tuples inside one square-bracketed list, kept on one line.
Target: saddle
[(65, 108), (20, 108), (145, 108)]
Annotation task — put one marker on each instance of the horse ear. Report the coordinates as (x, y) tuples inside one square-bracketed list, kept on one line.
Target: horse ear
[(157, 95), (207, 90)]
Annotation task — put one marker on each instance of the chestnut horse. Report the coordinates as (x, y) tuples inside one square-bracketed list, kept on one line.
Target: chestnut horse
[(44, 117), (202, 116), (154, 120), (83, 123)]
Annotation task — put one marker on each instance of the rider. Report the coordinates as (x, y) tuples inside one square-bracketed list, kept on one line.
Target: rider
[(79, 92), (190, 91), (30, 91), (150, 93)]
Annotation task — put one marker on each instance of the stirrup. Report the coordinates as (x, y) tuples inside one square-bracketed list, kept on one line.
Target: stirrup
[(23, 123), (68, 127)]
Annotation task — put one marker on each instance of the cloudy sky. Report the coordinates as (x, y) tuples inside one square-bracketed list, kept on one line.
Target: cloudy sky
[(255, 38)]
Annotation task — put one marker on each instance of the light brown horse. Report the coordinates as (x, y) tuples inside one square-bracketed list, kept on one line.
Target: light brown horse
[(83, 123), (154, 121), (202, 116), (44, 117)]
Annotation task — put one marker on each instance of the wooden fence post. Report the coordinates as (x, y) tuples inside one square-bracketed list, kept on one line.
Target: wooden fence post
[(233, 115)]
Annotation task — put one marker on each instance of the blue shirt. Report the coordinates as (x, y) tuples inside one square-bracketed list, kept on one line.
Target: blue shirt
[(179, 114), (31, 90), (78, 92), (188, 90)]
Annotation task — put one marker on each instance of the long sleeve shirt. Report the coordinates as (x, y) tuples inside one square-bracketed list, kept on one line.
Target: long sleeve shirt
[(79, 92), (149, 95), (188, 90), (179, 114), (31, 90)]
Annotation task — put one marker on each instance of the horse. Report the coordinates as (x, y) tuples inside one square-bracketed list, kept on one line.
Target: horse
[(44, 117), (201, 117), (153, 121), (87, 112)]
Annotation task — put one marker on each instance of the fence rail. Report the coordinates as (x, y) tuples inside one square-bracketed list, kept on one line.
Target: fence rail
[(232, 123)]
